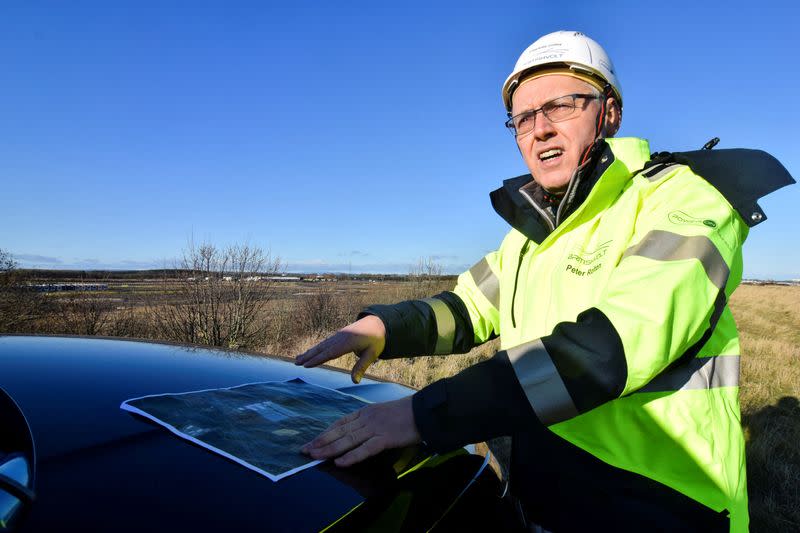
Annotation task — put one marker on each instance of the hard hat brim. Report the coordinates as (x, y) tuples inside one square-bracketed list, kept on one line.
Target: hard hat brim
[(516, 79)]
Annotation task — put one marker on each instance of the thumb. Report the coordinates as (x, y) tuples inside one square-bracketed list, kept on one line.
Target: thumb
[(366, 358)]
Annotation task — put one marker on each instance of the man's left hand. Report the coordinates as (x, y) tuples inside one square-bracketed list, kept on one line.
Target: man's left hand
[(366, 432)]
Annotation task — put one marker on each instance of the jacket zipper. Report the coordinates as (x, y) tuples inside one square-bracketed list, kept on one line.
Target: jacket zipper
[(544, 214), (569, 196), (516, 279), (551, 221)]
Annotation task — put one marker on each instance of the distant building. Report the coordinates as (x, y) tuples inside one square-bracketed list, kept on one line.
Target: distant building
[(63, 287), (789, 283)]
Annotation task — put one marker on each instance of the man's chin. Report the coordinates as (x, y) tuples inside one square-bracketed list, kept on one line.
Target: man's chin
[(554, 182)]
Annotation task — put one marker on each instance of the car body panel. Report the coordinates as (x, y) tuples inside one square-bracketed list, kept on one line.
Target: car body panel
[(101, 468), (77, 405)]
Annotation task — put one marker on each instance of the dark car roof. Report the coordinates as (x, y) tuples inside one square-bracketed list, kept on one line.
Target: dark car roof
[(97, 463)]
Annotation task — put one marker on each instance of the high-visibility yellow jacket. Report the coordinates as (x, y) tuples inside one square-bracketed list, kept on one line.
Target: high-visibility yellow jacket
[(612, 312)]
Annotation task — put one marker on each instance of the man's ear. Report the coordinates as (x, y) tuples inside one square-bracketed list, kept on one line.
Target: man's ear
[(613, 117)]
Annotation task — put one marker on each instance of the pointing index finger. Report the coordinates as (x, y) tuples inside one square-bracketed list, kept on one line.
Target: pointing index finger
[(315, 351)]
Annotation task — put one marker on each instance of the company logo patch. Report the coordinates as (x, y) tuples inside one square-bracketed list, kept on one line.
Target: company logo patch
[(585, 257), (681, 218), (585, 263)]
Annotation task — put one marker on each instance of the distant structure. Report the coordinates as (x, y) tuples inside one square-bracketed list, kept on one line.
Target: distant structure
[(785, 283), (62, 287), (280, 278), (320, 277)]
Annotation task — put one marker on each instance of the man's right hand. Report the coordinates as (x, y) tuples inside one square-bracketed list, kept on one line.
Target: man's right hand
[(366, 338)]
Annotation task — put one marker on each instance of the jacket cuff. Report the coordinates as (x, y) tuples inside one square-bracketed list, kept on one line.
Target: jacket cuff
[(438, 325), (429, 406), (479, 403), (410, 328), (392, 321)]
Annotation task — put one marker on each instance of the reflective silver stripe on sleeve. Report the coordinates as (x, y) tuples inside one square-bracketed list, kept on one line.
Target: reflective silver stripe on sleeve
[(541, 382), (486, 281), (667, 246), (700, 373), (445, 326)]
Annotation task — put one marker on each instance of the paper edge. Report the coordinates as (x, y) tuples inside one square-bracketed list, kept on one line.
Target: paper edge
[(125, 406)]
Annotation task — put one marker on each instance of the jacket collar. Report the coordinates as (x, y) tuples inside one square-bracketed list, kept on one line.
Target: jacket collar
[(742, 176), (518, 201)]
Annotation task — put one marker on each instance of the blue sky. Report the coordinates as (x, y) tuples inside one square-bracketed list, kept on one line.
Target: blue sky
[(345, 135)]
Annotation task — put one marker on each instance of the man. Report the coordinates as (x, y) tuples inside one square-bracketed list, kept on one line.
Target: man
[(617, 377)]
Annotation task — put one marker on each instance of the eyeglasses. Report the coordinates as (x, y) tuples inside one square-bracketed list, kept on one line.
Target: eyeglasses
[(555, 110)]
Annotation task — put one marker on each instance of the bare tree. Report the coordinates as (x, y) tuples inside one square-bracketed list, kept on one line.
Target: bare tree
[(19, 305), (427, 278), (83, 315), (126, 321), (7, 263), (221, 296), (319, 312)]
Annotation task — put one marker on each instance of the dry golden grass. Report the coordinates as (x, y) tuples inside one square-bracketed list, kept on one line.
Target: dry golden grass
[(768, 318), (769, 325)]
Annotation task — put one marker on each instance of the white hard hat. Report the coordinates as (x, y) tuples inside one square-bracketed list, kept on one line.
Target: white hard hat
[(570, 52)]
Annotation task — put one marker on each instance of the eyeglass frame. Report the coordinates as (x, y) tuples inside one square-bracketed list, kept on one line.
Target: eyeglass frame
[(533, 112)]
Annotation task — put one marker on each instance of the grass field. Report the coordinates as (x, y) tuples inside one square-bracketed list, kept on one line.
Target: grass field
[(769, 323), (301, 314)]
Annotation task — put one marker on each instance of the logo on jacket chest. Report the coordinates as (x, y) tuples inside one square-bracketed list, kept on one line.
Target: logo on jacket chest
[(585, 262), (681, 218)]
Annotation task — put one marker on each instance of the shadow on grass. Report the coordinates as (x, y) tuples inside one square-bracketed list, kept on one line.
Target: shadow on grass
[(773, 465)]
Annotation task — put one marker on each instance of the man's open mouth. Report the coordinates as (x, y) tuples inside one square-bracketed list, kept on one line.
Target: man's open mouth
[(551, 154)]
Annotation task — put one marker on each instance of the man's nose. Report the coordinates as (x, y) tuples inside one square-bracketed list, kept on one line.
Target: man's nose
[(543, 129)]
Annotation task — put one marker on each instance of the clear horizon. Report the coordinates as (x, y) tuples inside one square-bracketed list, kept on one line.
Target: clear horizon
[(399, 270)]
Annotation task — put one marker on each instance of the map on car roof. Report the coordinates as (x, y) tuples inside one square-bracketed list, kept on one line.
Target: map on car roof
[(261, 426)]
